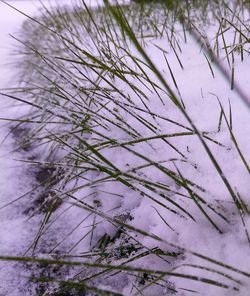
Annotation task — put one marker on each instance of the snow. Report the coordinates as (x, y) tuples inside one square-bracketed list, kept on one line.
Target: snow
[(197, 87), (17, 232), (14, 181)]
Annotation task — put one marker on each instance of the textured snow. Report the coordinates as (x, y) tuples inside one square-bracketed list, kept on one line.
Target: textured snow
[(197, 87), (16, 232), (14, 181)]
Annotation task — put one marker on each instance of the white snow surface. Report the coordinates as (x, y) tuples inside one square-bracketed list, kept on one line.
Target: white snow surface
[(16, 232), (231, 248), (14, 181)]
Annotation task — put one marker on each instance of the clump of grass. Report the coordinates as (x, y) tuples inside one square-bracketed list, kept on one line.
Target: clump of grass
[(118, 128)]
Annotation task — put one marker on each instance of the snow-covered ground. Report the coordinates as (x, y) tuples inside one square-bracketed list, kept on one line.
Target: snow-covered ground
[(14, 182), (197, 86), (16, 233)]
